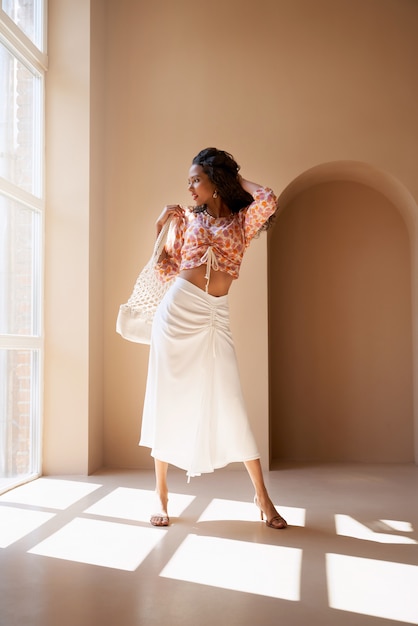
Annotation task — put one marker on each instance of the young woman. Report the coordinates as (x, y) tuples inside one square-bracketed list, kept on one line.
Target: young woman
[(194, 414)]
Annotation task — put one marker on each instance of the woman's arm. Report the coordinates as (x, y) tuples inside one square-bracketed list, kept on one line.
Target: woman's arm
[(170, 210), (257, 214), (248, 185), (168, 263)]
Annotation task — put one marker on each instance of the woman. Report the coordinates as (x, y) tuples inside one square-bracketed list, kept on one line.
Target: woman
[(194, 414)]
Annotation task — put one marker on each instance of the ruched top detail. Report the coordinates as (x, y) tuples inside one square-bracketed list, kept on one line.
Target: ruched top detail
[(220, 243)]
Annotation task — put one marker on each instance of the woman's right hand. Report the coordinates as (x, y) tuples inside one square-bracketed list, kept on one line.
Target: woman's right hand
[(170, 210)]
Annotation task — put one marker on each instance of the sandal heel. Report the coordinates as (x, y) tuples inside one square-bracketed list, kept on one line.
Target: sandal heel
[(280, 522)]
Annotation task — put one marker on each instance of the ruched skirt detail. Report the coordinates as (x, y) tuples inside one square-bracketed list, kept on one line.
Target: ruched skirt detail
[(194, 414)]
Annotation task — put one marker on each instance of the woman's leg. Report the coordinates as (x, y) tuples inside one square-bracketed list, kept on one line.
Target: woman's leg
[(161, 518), (262, 498)]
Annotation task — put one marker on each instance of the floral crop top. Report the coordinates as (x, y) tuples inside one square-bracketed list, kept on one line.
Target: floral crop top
[(219, 242)]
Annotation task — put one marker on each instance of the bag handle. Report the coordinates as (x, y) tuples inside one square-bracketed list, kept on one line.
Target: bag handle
[(161, 239)]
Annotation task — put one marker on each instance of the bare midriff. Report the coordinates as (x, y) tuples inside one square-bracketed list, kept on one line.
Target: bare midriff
[(219, 282)]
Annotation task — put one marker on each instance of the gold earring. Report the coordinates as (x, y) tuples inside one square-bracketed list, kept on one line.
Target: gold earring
[(215, 194)]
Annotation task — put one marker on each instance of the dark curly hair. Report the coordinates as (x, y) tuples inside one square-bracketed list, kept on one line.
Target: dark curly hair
[(222, 170)]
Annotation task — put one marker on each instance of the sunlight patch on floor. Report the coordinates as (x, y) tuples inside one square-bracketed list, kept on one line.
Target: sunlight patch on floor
[(136, 504), (16, 523), (234, 510), (265, 570), (49, 493), (402, 527), (371, 587), (96, 542), (349, 527)]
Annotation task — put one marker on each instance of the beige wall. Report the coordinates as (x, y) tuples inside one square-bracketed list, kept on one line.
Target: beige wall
[(340, 328), (73, 393), (285, 85), (96, 233)]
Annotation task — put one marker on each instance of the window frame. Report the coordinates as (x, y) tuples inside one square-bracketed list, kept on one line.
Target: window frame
[(21, 42), (36, 60)]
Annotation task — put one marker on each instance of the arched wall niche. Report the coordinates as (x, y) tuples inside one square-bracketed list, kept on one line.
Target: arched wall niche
[(374, 188)]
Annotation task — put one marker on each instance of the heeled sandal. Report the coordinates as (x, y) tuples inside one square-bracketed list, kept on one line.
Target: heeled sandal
[(159, 520), (270, 522)]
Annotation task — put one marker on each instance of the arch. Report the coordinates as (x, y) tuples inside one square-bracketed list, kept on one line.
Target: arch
[(362, 173), (392, 189)]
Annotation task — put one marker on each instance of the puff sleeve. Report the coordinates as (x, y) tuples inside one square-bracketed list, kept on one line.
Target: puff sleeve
[(169, 266), (258, 212)]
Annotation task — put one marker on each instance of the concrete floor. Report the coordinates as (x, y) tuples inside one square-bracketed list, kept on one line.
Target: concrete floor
[(79, 551)]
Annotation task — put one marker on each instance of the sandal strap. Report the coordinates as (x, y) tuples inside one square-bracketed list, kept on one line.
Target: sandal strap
[(279, 518)]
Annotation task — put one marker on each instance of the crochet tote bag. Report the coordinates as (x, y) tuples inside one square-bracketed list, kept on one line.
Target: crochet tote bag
[(134, 321)]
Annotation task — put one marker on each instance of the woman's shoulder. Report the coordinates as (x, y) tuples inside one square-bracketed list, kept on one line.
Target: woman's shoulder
[(191, 214)]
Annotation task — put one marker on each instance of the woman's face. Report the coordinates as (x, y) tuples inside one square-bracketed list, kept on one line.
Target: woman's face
[(200, 186)]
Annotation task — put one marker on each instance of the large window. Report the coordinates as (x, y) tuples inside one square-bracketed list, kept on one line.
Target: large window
[(22, 70)]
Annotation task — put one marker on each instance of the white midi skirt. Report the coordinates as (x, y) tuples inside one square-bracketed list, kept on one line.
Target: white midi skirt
[(194, 413)]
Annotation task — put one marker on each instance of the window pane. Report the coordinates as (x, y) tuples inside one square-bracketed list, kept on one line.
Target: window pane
[(19, 415), (21, 238), (20, 261), (20, 123), (28, 15)]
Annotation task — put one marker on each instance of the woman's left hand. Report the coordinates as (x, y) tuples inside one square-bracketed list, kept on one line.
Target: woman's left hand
[(170, 210)]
